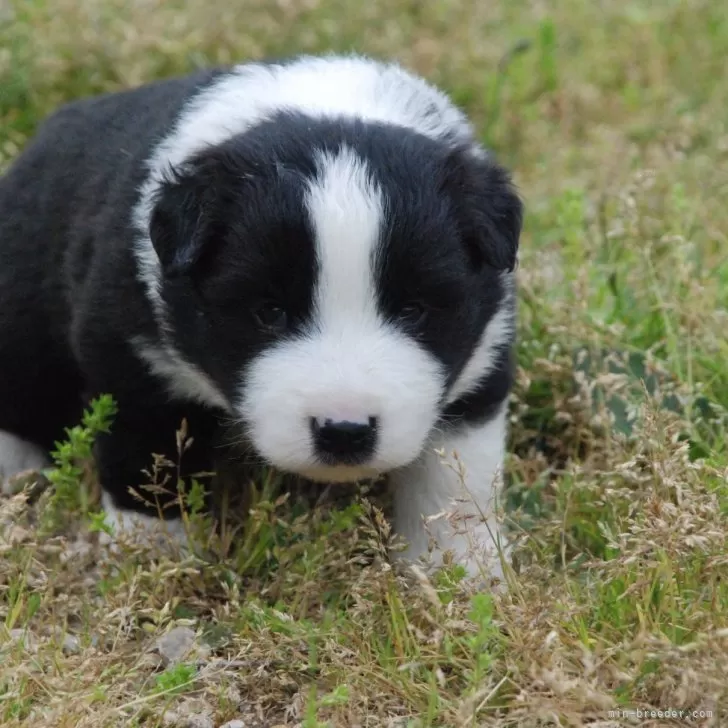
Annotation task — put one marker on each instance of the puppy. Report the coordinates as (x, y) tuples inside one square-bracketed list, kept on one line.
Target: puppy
[(317, 251)]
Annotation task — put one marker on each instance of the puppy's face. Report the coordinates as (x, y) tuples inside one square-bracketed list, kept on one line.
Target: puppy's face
[(334, 279)]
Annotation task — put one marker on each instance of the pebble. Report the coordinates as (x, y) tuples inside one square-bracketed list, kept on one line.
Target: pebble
[(190, 713), (70, 645), (25, 638), (173, 719), (176, 645)]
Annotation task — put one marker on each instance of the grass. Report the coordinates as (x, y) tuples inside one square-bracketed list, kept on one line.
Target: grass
[(613, 118)]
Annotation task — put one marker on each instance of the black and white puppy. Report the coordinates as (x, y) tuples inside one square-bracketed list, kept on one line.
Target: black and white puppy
[(317, 250)]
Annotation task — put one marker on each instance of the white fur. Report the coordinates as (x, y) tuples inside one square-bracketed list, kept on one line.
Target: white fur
[(182, 378), (497, 334), (141, 528), (346, 208), (17, 455), (351, 365), (349, 86), (458, 475)]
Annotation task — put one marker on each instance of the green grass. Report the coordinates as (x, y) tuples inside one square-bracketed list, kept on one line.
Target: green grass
[(614, 119)]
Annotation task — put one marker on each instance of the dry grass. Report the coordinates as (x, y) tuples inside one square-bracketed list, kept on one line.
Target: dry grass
[(614, 122)]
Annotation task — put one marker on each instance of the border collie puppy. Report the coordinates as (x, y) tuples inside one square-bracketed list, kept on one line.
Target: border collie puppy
[(317, 251)]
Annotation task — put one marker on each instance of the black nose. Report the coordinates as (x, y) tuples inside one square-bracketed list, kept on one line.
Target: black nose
[(343, 442)]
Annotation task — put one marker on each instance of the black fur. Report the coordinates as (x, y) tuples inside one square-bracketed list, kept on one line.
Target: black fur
[(69, 296)]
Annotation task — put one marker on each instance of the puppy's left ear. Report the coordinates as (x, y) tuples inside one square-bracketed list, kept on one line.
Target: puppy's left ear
[(489, 209), (178, 228)]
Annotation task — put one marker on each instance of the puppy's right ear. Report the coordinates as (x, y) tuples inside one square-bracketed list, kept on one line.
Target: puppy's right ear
[(179, 226), (490, 210)]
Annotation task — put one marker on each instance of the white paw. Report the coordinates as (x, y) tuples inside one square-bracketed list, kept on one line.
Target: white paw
[(141, 529), (17, 455), (481, 553)]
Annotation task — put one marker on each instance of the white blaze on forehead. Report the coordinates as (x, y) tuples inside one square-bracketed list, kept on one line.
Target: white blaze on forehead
[(346, 209)]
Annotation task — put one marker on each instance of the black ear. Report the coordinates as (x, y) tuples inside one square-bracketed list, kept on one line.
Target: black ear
[(178, 225), (489, 209)]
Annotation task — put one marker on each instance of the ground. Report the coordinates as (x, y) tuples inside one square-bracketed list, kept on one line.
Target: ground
[(612, 116)]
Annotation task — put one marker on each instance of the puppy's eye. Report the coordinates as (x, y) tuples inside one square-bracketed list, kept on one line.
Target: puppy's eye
[(413, 314), (271, 317)]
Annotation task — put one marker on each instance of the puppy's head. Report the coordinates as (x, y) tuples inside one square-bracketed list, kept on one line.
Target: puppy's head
[(335, 279)]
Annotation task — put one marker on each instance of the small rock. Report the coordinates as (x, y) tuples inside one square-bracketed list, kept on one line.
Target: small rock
[(70, 645), (17, 535), (24, 638), (171, 719), (199, 720), (190, 713), (176, 644), (233, 724), (233, 696), (151, 661)]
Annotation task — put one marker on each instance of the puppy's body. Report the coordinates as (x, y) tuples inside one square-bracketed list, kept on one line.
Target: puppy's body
[(317, 251)]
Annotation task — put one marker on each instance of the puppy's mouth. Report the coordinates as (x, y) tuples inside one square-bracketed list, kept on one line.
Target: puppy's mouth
[(339, 473)]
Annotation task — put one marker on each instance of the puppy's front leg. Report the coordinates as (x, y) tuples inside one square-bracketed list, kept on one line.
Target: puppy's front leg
[(458, 473), (125, 453)]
